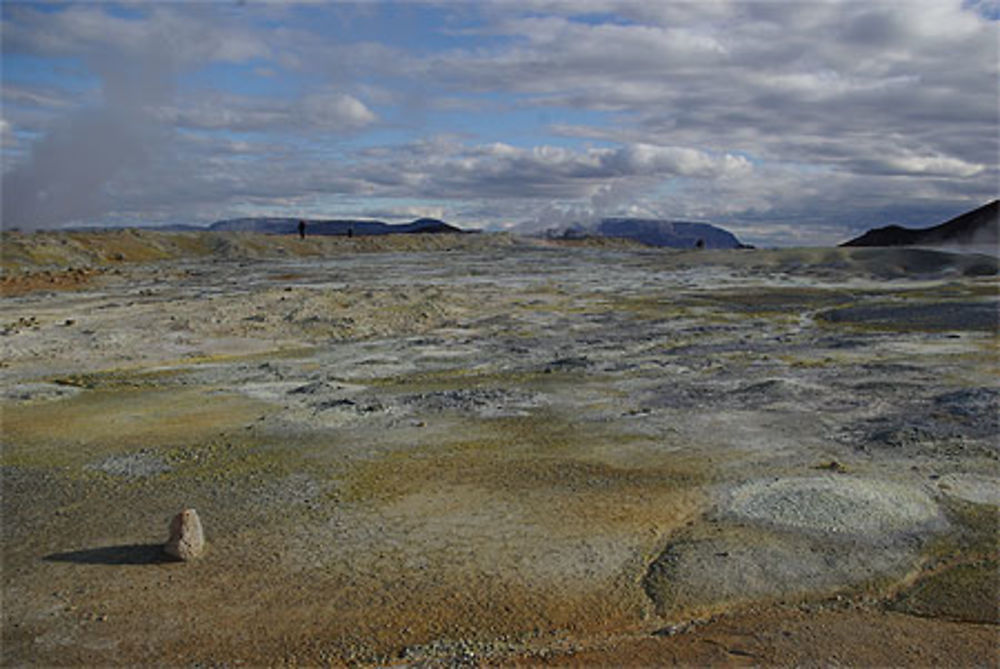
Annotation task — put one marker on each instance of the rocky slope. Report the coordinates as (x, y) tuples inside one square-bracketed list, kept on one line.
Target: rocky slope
[(979, 228)]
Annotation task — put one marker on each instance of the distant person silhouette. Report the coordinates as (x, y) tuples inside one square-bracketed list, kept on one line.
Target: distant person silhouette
[(700, 244), (302, 229)]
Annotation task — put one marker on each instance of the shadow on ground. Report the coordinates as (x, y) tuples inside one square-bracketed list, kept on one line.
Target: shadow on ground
[(127, 554)]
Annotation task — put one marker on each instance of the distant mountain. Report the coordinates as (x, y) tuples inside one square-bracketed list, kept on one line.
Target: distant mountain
[(979, 227), (179, 227), (657, 232), (289, 226), (426, 225)]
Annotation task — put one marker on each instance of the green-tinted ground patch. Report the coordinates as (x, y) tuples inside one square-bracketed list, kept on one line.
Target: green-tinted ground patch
[(967, 592), (676, 307), (469, 447), (226, 458), (977, 530), (776, 300), (541, 451), (962, 579), (937, 316), (118, 379), (168, 372), (463, 377), (98, 422), (952, 291)]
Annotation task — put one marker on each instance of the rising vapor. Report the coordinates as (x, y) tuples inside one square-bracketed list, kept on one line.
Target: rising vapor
[(71, 168)]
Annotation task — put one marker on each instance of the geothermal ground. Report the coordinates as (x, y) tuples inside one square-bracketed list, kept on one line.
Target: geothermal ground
[(479, 449)]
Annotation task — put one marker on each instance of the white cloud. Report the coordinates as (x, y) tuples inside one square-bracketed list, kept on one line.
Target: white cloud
[(326, 111), (335, 110), (822, 112), (7, 139), (184, 35), (682, 161), (446, 168), (936, 165)]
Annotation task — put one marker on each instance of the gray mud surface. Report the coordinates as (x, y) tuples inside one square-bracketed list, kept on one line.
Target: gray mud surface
[(496, 452)]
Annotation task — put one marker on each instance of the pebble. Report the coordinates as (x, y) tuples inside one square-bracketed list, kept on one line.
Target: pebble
[(187, 540)]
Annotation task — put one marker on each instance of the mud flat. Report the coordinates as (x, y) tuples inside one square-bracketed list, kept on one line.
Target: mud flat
[(487, 450)]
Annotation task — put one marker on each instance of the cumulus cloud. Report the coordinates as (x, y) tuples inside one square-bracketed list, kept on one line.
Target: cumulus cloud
[(109, 151), (936, 165), (445, 167), (330, 111), (842, 94), (335, 110), (93, 31), (826, 113)]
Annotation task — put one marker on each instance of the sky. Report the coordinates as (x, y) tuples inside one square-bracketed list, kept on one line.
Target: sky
[(788, 123)]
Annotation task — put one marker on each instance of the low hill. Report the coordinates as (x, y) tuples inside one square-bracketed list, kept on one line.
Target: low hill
[(657, 232), (289, 226), (979, 227), (675, 234)]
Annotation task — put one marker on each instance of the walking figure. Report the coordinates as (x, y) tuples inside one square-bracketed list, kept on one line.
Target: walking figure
[(302, 229)]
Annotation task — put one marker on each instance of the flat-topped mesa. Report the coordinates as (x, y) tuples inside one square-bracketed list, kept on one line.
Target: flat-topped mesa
[(336, 227), (653, 232), (187, 540)]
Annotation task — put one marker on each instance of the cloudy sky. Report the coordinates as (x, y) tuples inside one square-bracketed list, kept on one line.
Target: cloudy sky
[(786, 122)]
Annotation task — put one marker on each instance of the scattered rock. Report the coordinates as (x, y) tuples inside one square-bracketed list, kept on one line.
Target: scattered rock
[(22, 323), (36, 392), (974, 411), (484, 401), (187, 541), (312, 388), (567, 363)]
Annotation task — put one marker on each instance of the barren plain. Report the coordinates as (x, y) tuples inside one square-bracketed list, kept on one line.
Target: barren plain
[(479, 449)]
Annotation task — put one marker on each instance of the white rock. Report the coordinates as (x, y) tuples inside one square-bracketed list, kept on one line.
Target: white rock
[(187, 540)]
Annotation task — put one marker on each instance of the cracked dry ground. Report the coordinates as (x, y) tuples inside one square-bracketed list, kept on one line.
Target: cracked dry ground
[(507, 455)]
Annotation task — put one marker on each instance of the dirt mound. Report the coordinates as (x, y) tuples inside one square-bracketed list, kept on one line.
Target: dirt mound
[(27, 282), (787, 538), (836, 504)]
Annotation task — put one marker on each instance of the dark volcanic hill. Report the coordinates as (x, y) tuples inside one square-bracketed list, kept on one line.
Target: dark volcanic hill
[(657, 232), (289, 226), (979, 227)]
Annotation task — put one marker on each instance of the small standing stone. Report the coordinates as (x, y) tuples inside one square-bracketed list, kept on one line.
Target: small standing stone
[(187, 541)]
